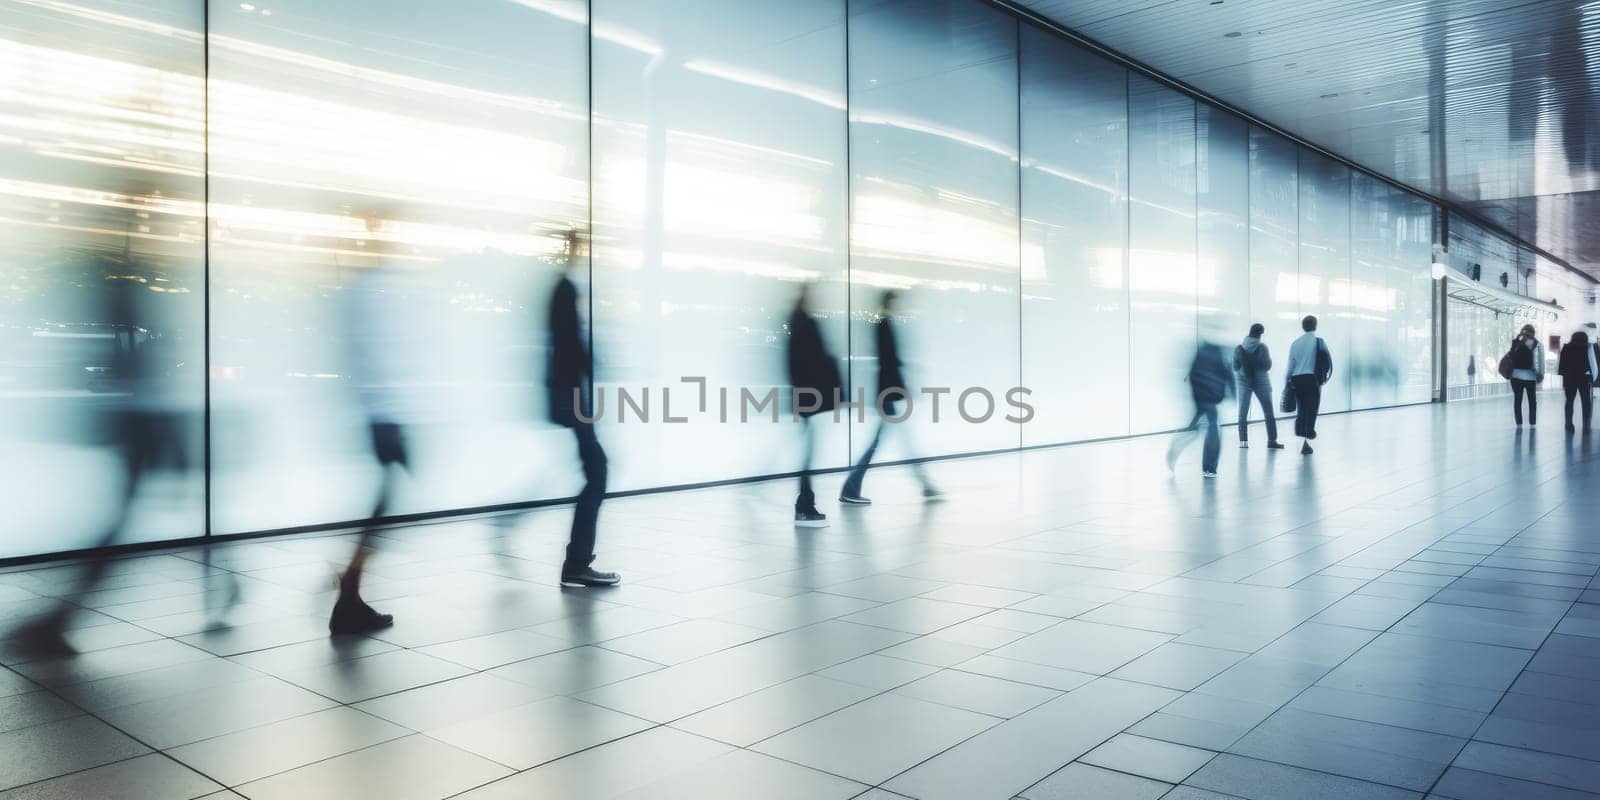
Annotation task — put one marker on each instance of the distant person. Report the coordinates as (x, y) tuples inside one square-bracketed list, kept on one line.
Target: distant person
[(1210, 384), (1472, 371), (1527, 371), (1578, 368), (567, 377), (891, 390), (1252, 363), (814, 376), (1310, 367)]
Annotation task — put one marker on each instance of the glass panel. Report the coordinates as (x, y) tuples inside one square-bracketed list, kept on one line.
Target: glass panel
[(934, 182), (1325, 267), (1161, 254), (390, 184), (103, 299), (1074, 228), (720, 187), (1222, 181), (1274, 238)]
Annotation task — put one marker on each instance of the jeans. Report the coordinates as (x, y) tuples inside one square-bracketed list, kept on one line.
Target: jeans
[(1261, 388), (1519, 388), (1308, 398), (1206, 412), (858, 473), (1578, 389), (586, 514)]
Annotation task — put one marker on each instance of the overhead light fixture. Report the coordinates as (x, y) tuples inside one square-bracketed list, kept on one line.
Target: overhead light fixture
[(1438, 271)]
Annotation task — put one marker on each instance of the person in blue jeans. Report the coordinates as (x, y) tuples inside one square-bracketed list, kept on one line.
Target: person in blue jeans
[(1252, 364), (1210, 384), (891, 390)]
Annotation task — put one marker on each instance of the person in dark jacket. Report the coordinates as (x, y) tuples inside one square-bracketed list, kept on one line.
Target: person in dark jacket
[(1210, 384), (1252, 363), (1577, 368), (567, 379), (1527, 372), (816, 385), (891, 390)]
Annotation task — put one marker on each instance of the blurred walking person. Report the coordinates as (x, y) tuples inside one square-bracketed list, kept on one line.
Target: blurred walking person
[(1310, 367), (891, 391), (1209, 384), (1578, 368), (1526, 359), (815, 382), (1252, 363), (386, 373), (568, 378)]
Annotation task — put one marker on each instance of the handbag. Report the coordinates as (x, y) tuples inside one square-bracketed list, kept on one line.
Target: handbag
[(1506, 366), (1287, 402)]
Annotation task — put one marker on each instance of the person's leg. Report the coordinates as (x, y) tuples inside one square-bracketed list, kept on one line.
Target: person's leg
[(1268, 413), (1315, 406), (351, 614), (1516, 400), (806, 503), (1586, 396), (1571, 391), (1182, 439), (1213, 447), (858, 473), (586, 513), (1301, 395), (1533, 403), (1246, 389)]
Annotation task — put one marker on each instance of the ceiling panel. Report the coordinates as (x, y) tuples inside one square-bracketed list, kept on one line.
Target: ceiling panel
[(1489, 103)]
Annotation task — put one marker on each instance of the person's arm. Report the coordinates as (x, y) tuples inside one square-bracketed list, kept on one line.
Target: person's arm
[(1264, 357), (1238, 353), (1594, 370)]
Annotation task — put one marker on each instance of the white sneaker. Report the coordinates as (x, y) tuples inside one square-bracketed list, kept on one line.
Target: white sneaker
[(1208, 474), (1244, 445)]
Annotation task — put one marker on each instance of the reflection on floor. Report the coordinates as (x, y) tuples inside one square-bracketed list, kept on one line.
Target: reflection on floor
[(1411, 611)]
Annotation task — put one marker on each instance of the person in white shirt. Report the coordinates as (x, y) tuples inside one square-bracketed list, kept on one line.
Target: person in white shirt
[(1310, 366), (1527, 370), (1578, 369)]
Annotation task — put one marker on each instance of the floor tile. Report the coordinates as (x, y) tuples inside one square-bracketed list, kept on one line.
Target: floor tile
[(771, 711), (533, 733), (412, 768), (457, 700), (1151, 758), (56, 748), (877, 738), (259, 752), (1085, 782), (152, 775), (978, 693)]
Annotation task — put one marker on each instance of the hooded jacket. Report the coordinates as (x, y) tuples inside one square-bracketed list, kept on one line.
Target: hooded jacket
[(1253, 349)]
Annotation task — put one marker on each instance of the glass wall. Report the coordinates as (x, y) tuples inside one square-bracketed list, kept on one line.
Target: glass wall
[(719, 189), (356, 212), (389, 186), (1161, 254), (1074, 240), (933, 204), (102, 301)]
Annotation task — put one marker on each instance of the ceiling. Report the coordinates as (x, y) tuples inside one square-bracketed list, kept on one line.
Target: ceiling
[(1492, 104)]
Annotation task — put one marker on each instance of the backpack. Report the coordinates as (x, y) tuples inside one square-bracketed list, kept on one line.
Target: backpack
[(1521, 355), (1247, 361), (1208, 376)]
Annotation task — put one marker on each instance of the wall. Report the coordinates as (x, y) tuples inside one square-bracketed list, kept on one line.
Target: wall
[(358, 208)]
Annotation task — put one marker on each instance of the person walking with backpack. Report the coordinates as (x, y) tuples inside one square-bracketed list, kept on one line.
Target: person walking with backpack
[(1578, 368), (1526, 358), (1310, 367), (1210, 384), (1252, 363)]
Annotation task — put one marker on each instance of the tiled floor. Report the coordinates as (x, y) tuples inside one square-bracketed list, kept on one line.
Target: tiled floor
[(1413, 611)]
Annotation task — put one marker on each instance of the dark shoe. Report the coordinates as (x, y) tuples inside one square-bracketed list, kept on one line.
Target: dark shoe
[(1274, 445), (931, 492), (1570, 428), (590, 577), (810, 519), (854, 500), (352, 615), (1305, 449), (44, 638)]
